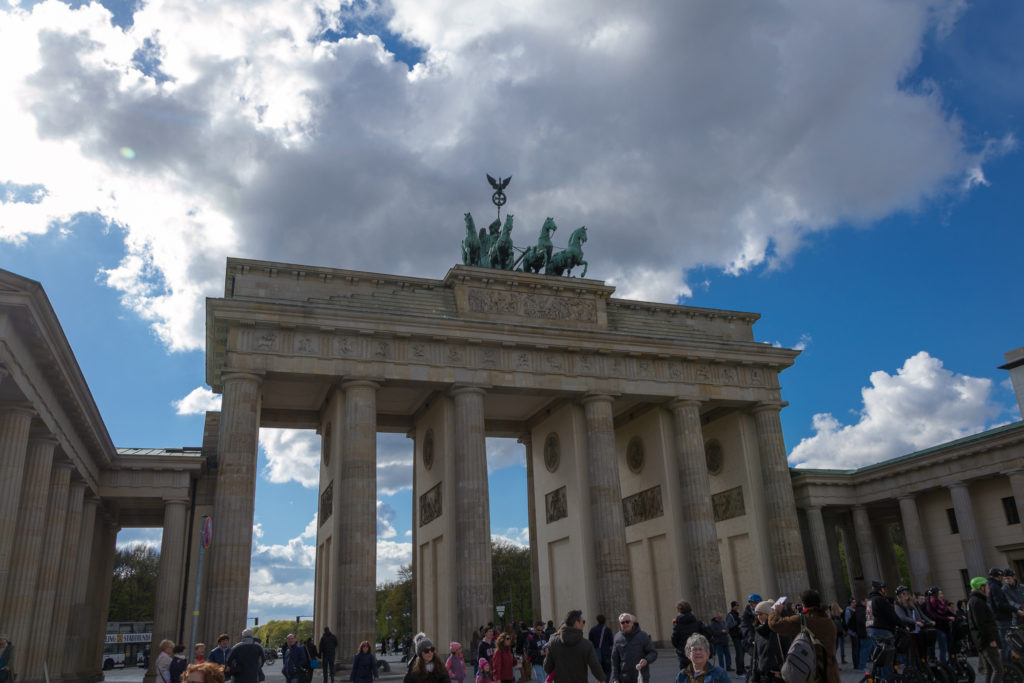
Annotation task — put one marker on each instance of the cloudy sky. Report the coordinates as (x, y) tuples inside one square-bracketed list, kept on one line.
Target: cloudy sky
[(850, 170)]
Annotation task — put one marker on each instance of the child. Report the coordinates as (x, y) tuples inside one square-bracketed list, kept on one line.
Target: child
[(456, 665), (483, 674)]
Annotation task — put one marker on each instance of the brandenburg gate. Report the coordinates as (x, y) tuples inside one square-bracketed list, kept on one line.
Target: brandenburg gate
[(655, 460)]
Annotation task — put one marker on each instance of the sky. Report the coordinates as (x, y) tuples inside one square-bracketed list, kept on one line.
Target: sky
[(850, 171)]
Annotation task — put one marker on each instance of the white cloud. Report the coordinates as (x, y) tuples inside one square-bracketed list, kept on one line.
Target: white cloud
[(513, 536), (197, 402), (150, 537), (281, 576), (385, 517), (503, 453), (240, 125), (922, 405), (292, 455), (391, 556)]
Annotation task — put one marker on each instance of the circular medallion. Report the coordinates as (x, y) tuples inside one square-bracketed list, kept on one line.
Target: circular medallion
[(552, 452), (428, 449), (635, 455), (714, 456)]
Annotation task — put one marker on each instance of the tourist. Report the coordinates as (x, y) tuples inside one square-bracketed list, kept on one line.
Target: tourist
[(632, 652), (295, 660), (221, 652), (426, 668), (245, 663), (836, 613), (163, 660), (939, 612), (719, 637), (570, 654), (601, 637), (483, 672), (732, 623), (364, 665), (178, 663), (849, 613), (328, 650), (747, 623), (913, 620), (1000, 607), (684, 625), (456, 663), (819, 622), (536, 651), (203, 672), (485, 648), (700, 669), (767, 651), (881, 620), (981, 621), (6, 655), (199, 653), (860, 624), (503, 663)]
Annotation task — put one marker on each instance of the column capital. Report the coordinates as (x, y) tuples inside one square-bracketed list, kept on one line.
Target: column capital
[(176, 500), (685, 402), (61, 464), (359, 384), (17, 407), (813, 508), (957, 485), (43, 440), (459, 389), (907, 496), (235, 374), (766, 406), (596, 398)]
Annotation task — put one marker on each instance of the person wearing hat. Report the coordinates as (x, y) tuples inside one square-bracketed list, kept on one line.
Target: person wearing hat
[(456, 663), (1001, 607), (1011, 587), (981, 621), (747, 623), (881, 619), (426, 668), (819, 622), (767, 653)]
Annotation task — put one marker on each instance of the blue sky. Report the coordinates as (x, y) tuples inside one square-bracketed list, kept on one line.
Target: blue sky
[(849, 171)]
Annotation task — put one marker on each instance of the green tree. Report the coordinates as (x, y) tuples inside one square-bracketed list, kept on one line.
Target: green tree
[(395, 600), (510, 576), (273, 633), (133, 587)]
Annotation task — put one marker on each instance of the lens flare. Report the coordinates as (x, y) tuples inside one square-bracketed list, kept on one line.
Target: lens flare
[(128, 152)]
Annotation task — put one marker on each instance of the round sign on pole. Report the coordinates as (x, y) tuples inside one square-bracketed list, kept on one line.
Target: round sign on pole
[(206, 535)]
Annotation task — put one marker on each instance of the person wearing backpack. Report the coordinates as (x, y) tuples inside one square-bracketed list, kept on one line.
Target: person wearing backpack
[(818, 622)]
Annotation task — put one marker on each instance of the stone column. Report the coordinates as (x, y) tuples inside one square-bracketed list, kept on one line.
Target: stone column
[(99, 604), (59, 631), (233, 505), (170, 574), (886, 552), (970, 539), (700, 558), (51, 556), (474, 599), (917, 551), (357, 523), (531, 501), (15, 420), (81, 564), (783, 525), (610, 557), (822, 554), (865, 544), (843, 590), (21, 584), (1017, 487)]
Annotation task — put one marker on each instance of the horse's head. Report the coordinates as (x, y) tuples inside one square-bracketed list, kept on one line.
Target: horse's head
[(549, 226), (470, 225), (507, 228), (579, 236)]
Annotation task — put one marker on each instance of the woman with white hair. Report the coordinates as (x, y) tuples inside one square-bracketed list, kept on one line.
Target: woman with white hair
[(700, 670)]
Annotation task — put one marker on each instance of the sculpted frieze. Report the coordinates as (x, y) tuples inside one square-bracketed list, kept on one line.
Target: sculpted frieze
[(556, 505), (728, 504), (430, 505), (538, 306), (643, 506), (345, 346)]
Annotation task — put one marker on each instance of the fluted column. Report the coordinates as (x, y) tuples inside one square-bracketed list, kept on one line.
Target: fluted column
[(99, 607), (970, 539), (233, 505), (1016, 478), (853, 564), (474, 599), (531, 501), (51, 556), (15, 421), (21, 584), (783, 525), (822, 554), (59, 631), (357, 556), (886, 552), (171, 572), (74, 663), (865, 544), (917, 551), (610, 558), (700, 557)]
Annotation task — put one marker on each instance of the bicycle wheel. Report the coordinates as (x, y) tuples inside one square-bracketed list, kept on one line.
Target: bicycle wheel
[(940, 673), (1013, 672)]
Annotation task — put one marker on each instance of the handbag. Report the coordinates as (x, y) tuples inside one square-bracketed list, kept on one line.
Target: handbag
[(314, 664)]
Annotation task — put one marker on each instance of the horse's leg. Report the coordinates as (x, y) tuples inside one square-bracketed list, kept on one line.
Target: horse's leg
[(585, 265)]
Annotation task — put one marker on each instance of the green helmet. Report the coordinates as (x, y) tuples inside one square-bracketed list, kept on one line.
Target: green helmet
[(978, 582)]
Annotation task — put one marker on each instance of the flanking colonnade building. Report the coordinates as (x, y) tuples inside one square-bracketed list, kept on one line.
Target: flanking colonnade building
[(656, 465)]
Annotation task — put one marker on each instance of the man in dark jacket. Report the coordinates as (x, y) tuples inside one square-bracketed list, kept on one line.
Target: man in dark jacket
[(570, 654), (748, 622), (632, 652), (684, 626), (881, 619), (1001, 608), (328, 649), (246, 659), (295, 661), (601, 637), (984, 633), (732, 622)]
